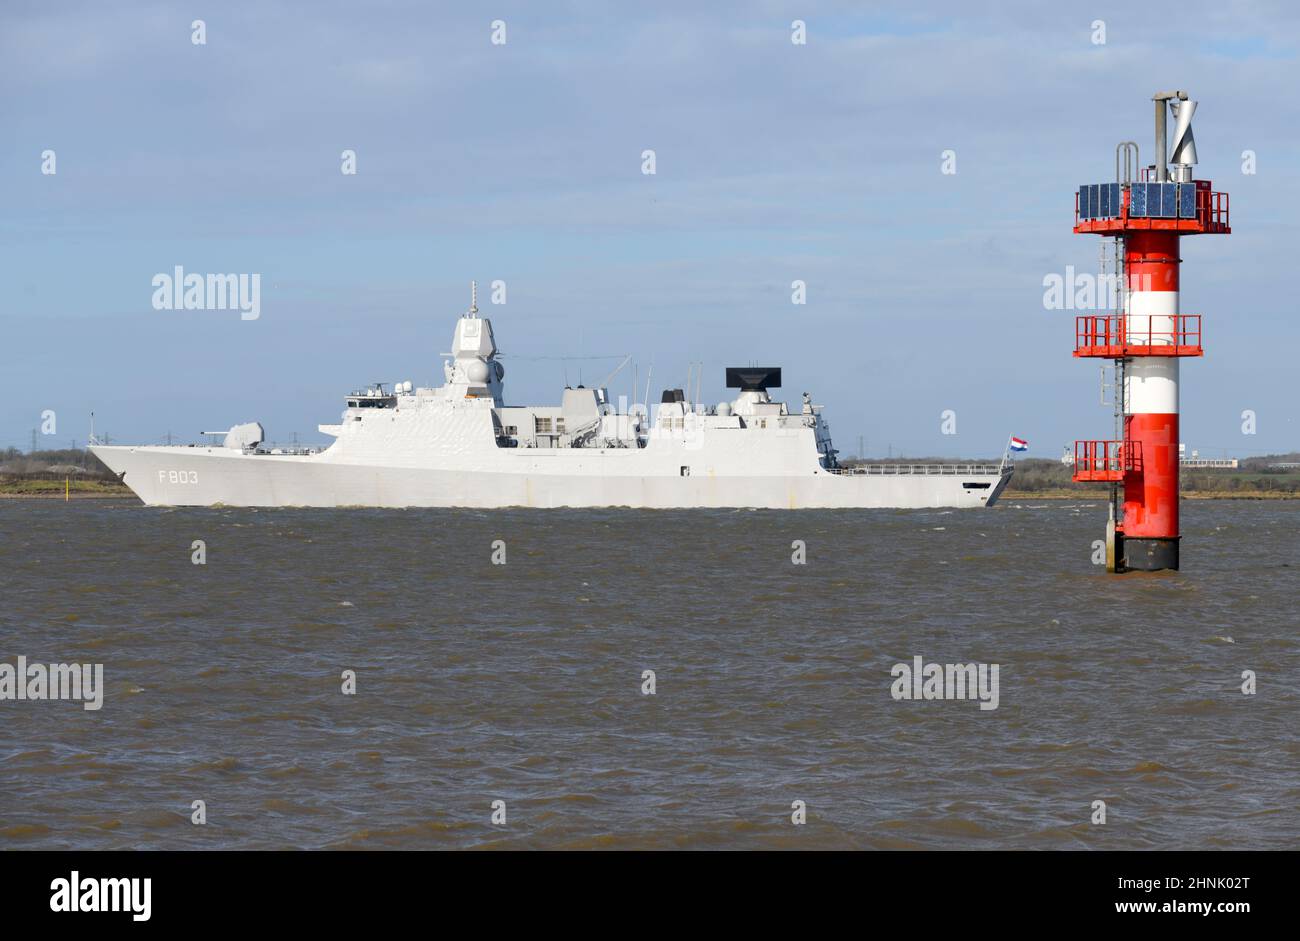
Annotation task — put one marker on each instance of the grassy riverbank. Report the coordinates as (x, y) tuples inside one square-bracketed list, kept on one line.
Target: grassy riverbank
[(1255, 478), (1098, 493), (45, 487)]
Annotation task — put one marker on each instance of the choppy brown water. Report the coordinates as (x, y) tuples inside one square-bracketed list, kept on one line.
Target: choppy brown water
[(522, 682)]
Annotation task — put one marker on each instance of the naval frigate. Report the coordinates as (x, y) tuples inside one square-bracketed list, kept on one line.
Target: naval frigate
[(460, 445)]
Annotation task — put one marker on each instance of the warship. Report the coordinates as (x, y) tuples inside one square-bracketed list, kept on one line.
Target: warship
[(460, 445)]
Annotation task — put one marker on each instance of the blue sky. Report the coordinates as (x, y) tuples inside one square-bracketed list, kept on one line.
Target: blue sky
[(522, 163)]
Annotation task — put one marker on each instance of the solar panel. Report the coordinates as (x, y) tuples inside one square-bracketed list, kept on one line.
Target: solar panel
[(1168, 200), (1187, 200), (1137, 199), (1099, 200)]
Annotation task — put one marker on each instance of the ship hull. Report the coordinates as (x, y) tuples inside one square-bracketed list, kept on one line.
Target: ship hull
[(179, 476)]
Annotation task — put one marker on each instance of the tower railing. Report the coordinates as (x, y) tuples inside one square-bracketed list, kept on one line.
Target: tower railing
[(1213, 208), (1106, 460), (1116, 336)]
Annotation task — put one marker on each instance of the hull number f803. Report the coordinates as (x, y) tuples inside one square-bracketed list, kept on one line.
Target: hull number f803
[(178, 477)]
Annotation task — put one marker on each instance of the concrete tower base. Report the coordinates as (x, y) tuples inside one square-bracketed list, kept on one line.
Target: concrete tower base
[(1150, 555)]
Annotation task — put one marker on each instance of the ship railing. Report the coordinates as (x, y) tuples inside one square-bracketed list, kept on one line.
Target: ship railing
[(919, 470), (270, 447)]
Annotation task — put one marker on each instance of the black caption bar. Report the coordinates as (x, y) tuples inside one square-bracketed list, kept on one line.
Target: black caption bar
[(163, 890)]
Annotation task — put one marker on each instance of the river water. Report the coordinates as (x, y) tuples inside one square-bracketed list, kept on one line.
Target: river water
[(525, 682)]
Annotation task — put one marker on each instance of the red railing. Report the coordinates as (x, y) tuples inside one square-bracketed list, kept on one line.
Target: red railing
[(1105, 460), (1115, 336), (1212, 209)]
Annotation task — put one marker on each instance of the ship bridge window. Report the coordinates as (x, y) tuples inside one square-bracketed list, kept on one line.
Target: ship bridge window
[(387, 401)]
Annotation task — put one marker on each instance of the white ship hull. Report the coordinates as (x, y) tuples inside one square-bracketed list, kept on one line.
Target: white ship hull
[(185, 476)]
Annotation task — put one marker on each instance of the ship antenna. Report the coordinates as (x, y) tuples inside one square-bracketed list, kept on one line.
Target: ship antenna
[(473, 298)]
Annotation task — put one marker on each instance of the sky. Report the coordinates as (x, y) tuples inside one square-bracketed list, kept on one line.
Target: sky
[(522, 162)]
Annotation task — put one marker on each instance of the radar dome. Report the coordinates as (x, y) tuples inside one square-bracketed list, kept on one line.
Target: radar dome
[(724, 409), (476, 370)]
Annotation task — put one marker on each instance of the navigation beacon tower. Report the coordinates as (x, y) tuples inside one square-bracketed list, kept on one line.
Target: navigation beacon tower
[(1147, 336)]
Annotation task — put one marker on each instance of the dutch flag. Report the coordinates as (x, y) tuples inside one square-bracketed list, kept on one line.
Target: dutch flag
[(1019, 444)]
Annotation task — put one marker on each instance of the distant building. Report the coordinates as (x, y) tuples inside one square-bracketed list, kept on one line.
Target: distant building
[(1197, 461)]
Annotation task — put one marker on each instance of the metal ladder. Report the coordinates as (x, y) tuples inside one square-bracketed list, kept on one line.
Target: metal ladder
[(1121, 387)]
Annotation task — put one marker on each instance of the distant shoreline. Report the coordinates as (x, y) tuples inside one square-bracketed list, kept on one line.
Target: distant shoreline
[(45, 487), (1186, 495), (117, 493), (73, 495)]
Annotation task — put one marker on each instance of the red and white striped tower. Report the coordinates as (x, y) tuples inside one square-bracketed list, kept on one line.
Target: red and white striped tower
[(1151, 403), (1147, 337)]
